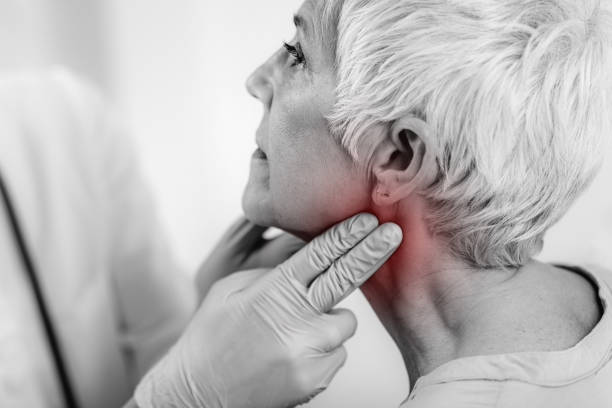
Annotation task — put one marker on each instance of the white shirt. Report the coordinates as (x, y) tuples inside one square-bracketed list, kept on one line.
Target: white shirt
[(115, 294), (580, 376)]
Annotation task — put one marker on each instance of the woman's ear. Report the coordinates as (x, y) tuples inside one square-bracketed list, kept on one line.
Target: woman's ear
[(403, 162)]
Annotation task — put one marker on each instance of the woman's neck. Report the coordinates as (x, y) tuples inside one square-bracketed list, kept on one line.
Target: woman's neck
[(426, 301)]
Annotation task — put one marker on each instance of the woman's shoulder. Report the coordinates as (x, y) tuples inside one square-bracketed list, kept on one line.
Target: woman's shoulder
[(544, 340), (578, 293), (545, 308)]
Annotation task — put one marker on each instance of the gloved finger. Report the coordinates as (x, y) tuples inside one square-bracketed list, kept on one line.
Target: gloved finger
[(339, 326), (321, 369), (319, 254), (228, 254), (353, 269), (245, 234), (238, 281), (274, 252), (235, 226)]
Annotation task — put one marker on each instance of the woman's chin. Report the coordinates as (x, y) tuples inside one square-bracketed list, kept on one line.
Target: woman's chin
[(303, 221), (257, 210)]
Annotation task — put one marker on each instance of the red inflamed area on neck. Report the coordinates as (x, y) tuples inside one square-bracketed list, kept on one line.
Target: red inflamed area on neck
[(415, 235)]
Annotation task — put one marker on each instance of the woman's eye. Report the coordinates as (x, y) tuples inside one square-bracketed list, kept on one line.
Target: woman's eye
[(296, 53)]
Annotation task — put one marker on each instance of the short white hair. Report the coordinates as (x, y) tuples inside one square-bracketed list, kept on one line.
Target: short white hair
[(517, 95)]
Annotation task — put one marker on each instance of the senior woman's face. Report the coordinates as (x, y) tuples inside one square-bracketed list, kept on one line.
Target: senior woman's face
[(301, 180)]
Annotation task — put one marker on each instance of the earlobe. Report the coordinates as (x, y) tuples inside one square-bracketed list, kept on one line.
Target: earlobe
[(404, 162)]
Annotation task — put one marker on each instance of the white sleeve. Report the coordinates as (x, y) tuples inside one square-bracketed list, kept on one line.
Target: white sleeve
[(154, 298)]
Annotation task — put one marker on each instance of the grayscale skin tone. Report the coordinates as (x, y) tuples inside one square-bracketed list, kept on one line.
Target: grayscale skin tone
[(436, 307)]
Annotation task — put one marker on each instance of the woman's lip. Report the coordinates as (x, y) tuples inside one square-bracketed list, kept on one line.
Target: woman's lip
[(259, 154)]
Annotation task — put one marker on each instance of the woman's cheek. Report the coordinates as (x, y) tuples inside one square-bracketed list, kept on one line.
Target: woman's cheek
[(320, 196)]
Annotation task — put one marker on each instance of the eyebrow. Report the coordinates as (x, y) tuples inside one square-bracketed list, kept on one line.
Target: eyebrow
[(300, 22)]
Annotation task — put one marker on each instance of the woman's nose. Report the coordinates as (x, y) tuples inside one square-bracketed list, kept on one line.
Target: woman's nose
[(259, 85)]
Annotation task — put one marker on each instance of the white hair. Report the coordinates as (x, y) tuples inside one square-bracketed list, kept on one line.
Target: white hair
[(517, 95)]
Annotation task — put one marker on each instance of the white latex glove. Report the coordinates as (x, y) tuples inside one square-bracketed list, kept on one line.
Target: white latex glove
[(244, 247), (270, 338)]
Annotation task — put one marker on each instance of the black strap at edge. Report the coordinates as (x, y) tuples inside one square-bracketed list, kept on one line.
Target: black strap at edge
[(36, 288)]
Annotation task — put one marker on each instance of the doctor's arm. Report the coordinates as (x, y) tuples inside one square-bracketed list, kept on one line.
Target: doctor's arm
[(271, 337)]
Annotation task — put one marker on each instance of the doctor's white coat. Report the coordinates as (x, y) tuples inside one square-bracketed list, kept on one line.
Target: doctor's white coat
[(115, 295)]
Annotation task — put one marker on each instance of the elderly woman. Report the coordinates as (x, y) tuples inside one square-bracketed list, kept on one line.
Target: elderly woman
[(474, 125)]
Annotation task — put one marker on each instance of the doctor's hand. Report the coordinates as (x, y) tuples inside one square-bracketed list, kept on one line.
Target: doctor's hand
[(244, 247), (271, 338)]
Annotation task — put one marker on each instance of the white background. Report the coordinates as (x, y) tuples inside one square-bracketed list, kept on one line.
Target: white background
[(177, 72)]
